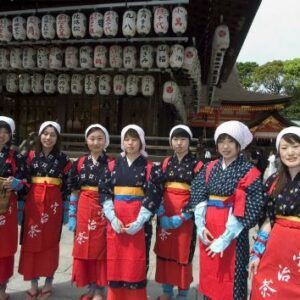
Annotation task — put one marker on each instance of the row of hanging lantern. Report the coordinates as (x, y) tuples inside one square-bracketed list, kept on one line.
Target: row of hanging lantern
[(87, 57), (78, 25), (78, 83)]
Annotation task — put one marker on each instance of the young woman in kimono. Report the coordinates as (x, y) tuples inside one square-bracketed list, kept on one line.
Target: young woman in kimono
[(13, 174), (228, 198), (86, 217), (176, 234), (46, 208), (125, 205), (275, 256)]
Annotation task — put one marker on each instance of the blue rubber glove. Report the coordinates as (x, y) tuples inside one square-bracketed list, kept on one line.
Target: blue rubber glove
[(21, 205), (73, 211), (233, 229), (109, 211), (259, 246), (200, 213), (66, 212), (165, 222), (17, 184), (143, 217), (161, 210)]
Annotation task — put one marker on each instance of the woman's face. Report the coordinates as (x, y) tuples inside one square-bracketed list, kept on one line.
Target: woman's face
[(96, 141), (290, 153), (228, 149), (48, 138), (180, 145), (132, 145), (4, 136)]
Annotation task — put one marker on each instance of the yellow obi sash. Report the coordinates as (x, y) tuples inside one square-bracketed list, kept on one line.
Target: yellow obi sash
[(178, 185), (128, 193), (218, 201), (46, 180), (289, 218), (89, 188)]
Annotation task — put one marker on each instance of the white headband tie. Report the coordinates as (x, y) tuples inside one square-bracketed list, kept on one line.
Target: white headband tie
[(181, 126), (49, 123), (10, 122), (292, 129)]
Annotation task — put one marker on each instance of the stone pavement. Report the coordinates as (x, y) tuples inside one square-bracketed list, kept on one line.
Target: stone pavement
[(62, 285)]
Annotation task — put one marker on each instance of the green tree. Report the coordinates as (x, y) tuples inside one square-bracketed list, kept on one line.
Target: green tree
[(246, 71)]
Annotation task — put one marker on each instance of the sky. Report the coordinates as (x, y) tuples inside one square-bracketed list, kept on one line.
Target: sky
[(274, 33)]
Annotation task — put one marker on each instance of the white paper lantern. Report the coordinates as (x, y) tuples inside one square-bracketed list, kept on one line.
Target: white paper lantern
[(11, 83), (148, 85), (146, 56), (29, 58), (33, 28), (19, 28), (132, 86), (77, 84), (176, 56), (79, 25), (4, 59), (161, 20), (119, 85), (115, 56), (50, 83), (179, 20), (143, 22), (63, 26), (37, 83), (129, 57), (96, 25), (71, 57), (55, 58), (170, 92), (190, 56), (42, 58), (24, 83), (110, 25), (90, 85), (162, 56), (100, 56), (104, 84), (16, 58), (86, 57), (48, 27), (5, 30), (129, 23), (63, 84)]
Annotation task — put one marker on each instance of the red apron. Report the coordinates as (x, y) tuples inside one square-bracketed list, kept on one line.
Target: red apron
[(126, 254), (278, 275), (42, 228)]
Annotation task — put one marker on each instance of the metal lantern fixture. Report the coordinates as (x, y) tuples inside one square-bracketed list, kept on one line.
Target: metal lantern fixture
[(179, 20), (143, 22), (90, 86), (16, 58), (146, 56), (100, 56), (132, 87), (50, 83), (129, 23), (119, 85), (63, 26), (48, 27), (11, 83), (110, 25), (33, 28), (176, 56), (161, 20), (129, 57), (5, 30), (162, 56), (104, 84), (77, 84), (29, 58), (115, 56), (63, 84), (71, 57), (55, 58), (24, 83), (96, 25), (37, 83), (42, 58), (4, 59), (19, 28), (148, 85), (79, 25), (86, 57)]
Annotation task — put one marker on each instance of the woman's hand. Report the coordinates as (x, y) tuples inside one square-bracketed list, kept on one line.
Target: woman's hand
[(253, 266)]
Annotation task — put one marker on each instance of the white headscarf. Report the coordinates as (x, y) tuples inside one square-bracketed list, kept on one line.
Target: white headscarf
[(181, 126), (10, 122), (236, 129), (48, 123), (141, 134), (102, 128), (292, 129)]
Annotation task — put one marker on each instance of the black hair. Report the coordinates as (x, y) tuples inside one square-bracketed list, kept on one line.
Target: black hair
[(180, 132), (7, 127), (93, 129), (224, 136)]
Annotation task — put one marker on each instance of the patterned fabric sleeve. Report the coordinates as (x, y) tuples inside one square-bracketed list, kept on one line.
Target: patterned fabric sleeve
[(154, 190), (269, 208), (22, 172), (106, 186), (74, 177), (67, 164)]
